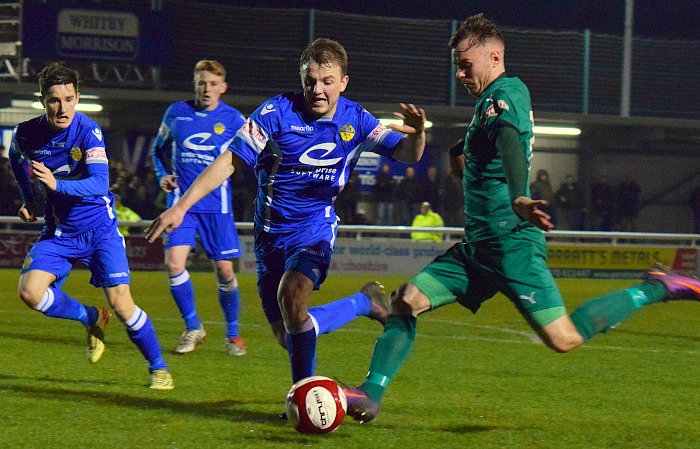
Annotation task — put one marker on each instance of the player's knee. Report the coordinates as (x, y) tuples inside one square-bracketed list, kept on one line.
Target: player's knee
[(224, 272), (564, 343), (174, 267), (120, 300), (30, 296), (407, 300)]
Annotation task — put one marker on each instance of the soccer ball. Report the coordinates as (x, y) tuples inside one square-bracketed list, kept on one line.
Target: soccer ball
[(315, 404)]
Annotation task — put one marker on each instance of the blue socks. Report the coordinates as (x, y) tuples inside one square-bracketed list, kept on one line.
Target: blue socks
[(182, 290), (141, 332), (229, 298), (301, 347), (333, 315), (56, 304)]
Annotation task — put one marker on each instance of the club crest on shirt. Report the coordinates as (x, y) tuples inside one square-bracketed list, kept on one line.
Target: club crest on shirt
[(76, 153), (27, 262), (503, 105), (347, 132), (219, 128)]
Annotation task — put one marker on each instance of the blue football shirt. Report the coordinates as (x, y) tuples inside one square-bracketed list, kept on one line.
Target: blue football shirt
[(301, 162), (78, 159), (194, 139)]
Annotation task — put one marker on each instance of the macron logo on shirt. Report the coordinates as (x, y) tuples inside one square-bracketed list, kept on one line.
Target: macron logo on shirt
[(98, 133)]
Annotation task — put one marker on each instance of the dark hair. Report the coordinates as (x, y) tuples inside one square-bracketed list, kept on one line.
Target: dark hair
[(478, 28), (54, 74), (325, 52)]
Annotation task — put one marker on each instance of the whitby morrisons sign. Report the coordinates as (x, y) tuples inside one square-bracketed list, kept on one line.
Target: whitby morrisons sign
[(97, 34), (77, 30)]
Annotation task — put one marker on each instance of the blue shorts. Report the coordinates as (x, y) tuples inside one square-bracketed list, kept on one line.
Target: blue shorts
[(307, 251), (217, 234), (101, 249)]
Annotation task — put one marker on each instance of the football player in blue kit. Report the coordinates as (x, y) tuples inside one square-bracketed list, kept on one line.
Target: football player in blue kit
[(192, 134), (303, 147), (65, 150)]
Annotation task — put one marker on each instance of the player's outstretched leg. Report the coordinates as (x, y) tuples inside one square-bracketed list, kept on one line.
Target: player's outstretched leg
[(603, 313), (369, 301), (678, 286), (55, 303)]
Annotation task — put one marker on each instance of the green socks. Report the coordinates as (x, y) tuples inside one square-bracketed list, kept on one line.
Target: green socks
[(605, 312), (392, 348)]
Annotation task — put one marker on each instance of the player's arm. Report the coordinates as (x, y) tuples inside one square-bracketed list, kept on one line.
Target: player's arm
[(20, 170), (212, 177), (163, 140), (410, 148), (96, 183), (456, 152), (515, 167)]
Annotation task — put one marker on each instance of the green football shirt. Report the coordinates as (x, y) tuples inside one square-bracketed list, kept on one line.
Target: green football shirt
[(487, 203)]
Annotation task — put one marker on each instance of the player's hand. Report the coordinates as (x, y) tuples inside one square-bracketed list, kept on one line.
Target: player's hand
[(529, 210), (168, 183), (43, 174), (165, 222), (27, 212), (413, 119)]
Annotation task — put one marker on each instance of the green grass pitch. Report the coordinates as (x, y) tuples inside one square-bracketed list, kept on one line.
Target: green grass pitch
[(472, 381)]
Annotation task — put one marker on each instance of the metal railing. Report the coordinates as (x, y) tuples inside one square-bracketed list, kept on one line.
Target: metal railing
[(361, 232)]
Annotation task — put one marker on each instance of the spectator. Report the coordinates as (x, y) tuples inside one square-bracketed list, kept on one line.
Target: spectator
[(142, 204), (130, 192), (346, 203), (427, 218), (452, 202), (243, 185), (541, 189), (10, 200), (152, 185), (430, 190), (408, 192), (453, 195), (115, 168), (384, 191), (124, 214), (361, 217), (628, 193), (602, 204), (572, 202), (695, 205)]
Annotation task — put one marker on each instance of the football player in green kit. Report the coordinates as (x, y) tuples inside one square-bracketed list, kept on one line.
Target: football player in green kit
[(504, 248)]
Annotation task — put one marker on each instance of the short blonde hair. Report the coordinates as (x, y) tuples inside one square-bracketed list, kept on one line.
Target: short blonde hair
[(210, 65)]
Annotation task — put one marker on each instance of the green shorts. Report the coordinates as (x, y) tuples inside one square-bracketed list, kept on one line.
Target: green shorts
[(514, 264)]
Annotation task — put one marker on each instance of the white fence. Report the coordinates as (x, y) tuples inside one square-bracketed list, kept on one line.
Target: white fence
[(389, 250)]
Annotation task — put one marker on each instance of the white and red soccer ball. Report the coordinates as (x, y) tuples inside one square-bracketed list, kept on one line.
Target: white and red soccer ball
[(315, 404)]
